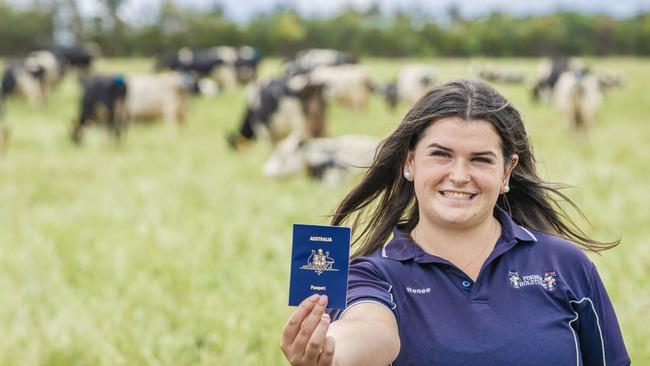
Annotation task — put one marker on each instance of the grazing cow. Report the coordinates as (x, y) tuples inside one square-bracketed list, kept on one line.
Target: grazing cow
[(578, 95), (347, 84), (307, 60), (52, 69), (326, 159), (496, 74), (610, 81), (227, 66), (412, 82), (246, 65), (24, 79), (103, 101), (80, 57), (284, 106), (203, 64), (157, 96), (549, 71)]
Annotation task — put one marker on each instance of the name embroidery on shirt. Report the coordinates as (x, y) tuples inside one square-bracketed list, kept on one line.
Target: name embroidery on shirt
[(418, 290), (548, 281)]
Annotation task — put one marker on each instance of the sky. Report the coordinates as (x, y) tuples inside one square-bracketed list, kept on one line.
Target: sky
[(141, 11), (242, 10)]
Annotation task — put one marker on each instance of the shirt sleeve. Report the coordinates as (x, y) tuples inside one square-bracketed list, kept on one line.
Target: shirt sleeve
[(366, 284), (601, 341)]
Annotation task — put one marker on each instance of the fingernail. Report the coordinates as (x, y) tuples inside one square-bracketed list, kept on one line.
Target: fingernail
[(325, 317), (323, 300), (313, 298)]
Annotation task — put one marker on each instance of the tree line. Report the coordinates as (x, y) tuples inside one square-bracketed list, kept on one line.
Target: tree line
[(283, 31)]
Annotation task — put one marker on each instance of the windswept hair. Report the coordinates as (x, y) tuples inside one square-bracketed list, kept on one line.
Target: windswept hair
[(384, 198)]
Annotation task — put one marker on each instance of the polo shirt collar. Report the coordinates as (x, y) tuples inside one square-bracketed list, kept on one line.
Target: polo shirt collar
[(402, 247)]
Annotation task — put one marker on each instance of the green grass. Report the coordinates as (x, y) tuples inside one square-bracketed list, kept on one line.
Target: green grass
[(170, 249)]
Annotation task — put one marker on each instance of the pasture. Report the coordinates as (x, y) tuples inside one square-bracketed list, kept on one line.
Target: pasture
[(169, 249)]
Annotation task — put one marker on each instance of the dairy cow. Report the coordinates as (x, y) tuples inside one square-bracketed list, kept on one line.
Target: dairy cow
[(548, 73), (227, 66), (103, 102), (279, 108), (307, 60), (51, 67), (411, 83), (347, 84), (578, 95), (326, 159), (24, 79), (156, 96), (79, 57)]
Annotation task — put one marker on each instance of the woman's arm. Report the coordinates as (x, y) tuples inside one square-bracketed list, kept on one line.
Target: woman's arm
[(365, 335)]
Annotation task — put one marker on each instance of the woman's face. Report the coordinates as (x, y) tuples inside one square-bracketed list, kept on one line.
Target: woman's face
[(458, 170)]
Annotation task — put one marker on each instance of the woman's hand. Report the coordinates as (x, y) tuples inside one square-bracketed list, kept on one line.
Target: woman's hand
[(304, 339)]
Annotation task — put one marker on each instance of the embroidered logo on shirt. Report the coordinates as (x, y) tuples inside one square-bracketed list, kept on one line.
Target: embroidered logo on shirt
[(548, 280), (319, 262)]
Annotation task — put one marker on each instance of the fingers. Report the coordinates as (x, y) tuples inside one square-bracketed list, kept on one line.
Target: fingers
[(292, 327), (327, 354), (305, 334), (309, 324), (315, 344)]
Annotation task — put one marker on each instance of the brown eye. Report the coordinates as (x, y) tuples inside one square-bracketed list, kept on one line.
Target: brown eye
[(480, 159), (440, 153)]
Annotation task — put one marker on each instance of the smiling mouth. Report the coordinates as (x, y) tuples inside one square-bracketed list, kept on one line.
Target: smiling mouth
[(460, 196)]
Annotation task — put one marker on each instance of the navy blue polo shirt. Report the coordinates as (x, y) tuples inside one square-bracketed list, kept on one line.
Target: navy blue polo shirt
[(538, 300)]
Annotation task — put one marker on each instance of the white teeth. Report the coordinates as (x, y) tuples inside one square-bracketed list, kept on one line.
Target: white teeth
[(457, 195)]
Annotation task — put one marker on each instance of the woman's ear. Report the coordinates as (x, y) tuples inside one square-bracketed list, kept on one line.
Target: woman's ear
[(509, 168), (408, 166)]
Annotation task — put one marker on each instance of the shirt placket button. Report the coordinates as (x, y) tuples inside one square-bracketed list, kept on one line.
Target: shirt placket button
[(466, 284)]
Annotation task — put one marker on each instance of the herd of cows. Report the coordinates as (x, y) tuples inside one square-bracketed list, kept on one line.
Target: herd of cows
[(288, 111)]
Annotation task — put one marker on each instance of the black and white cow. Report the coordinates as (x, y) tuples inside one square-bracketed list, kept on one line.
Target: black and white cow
[(227, 66), (548, 73), (53, 69), (608, 82), (103, 101), (578, 95), (156, 96), (496, 74), (25, 79), (307, 60), (246, 65), (347, 84), (326, 159), (279, 108), (412, 82), (79, 57)]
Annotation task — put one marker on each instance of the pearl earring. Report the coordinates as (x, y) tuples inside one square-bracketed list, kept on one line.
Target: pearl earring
[(506, 189)]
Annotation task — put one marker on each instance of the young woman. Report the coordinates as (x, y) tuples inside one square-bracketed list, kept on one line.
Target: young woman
[(463, 255)]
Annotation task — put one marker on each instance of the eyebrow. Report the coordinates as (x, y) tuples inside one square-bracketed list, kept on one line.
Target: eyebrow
[(479, 153)]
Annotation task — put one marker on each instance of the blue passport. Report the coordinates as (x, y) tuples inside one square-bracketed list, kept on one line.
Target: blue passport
[(320, 258)]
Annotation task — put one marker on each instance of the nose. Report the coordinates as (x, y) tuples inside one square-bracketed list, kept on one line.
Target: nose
[(458, 173)]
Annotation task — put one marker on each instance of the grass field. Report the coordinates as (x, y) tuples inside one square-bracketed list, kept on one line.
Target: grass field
[(170, 249)]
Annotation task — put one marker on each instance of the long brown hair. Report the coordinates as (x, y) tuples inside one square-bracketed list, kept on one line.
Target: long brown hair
[(384, 198)]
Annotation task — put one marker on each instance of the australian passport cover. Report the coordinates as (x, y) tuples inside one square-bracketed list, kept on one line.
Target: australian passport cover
[(320, 258)]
